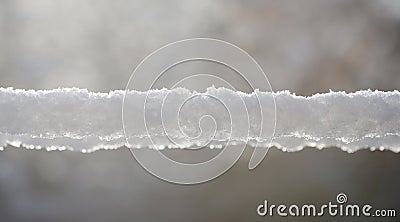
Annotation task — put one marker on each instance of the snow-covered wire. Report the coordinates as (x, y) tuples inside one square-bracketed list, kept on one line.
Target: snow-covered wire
[(76, 119)]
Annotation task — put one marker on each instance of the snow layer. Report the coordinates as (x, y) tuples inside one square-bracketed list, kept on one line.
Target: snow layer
[(76, 119)]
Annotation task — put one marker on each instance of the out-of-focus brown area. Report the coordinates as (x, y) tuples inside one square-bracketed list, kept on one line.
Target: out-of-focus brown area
[(306, 47)]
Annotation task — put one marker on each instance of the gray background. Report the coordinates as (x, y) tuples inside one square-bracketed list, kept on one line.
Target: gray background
[(306, 47)]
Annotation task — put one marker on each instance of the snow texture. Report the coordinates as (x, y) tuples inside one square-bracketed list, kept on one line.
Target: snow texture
[(76, 119)]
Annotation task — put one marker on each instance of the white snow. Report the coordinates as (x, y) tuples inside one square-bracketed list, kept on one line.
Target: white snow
[(76, 119)]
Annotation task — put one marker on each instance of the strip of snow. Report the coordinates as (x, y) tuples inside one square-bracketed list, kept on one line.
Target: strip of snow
[(76, 119)]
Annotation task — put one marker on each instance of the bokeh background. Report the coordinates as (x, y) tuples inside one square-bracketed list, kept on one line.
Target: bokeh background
[(306, 47)]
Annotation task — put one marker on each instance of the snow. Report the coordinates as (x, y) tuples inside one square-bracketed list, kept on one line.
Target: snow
[(77, 119)]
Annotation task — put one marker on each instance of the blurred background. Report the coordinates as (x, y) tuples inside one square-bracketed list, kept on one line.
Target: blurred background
[(305, 47)]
